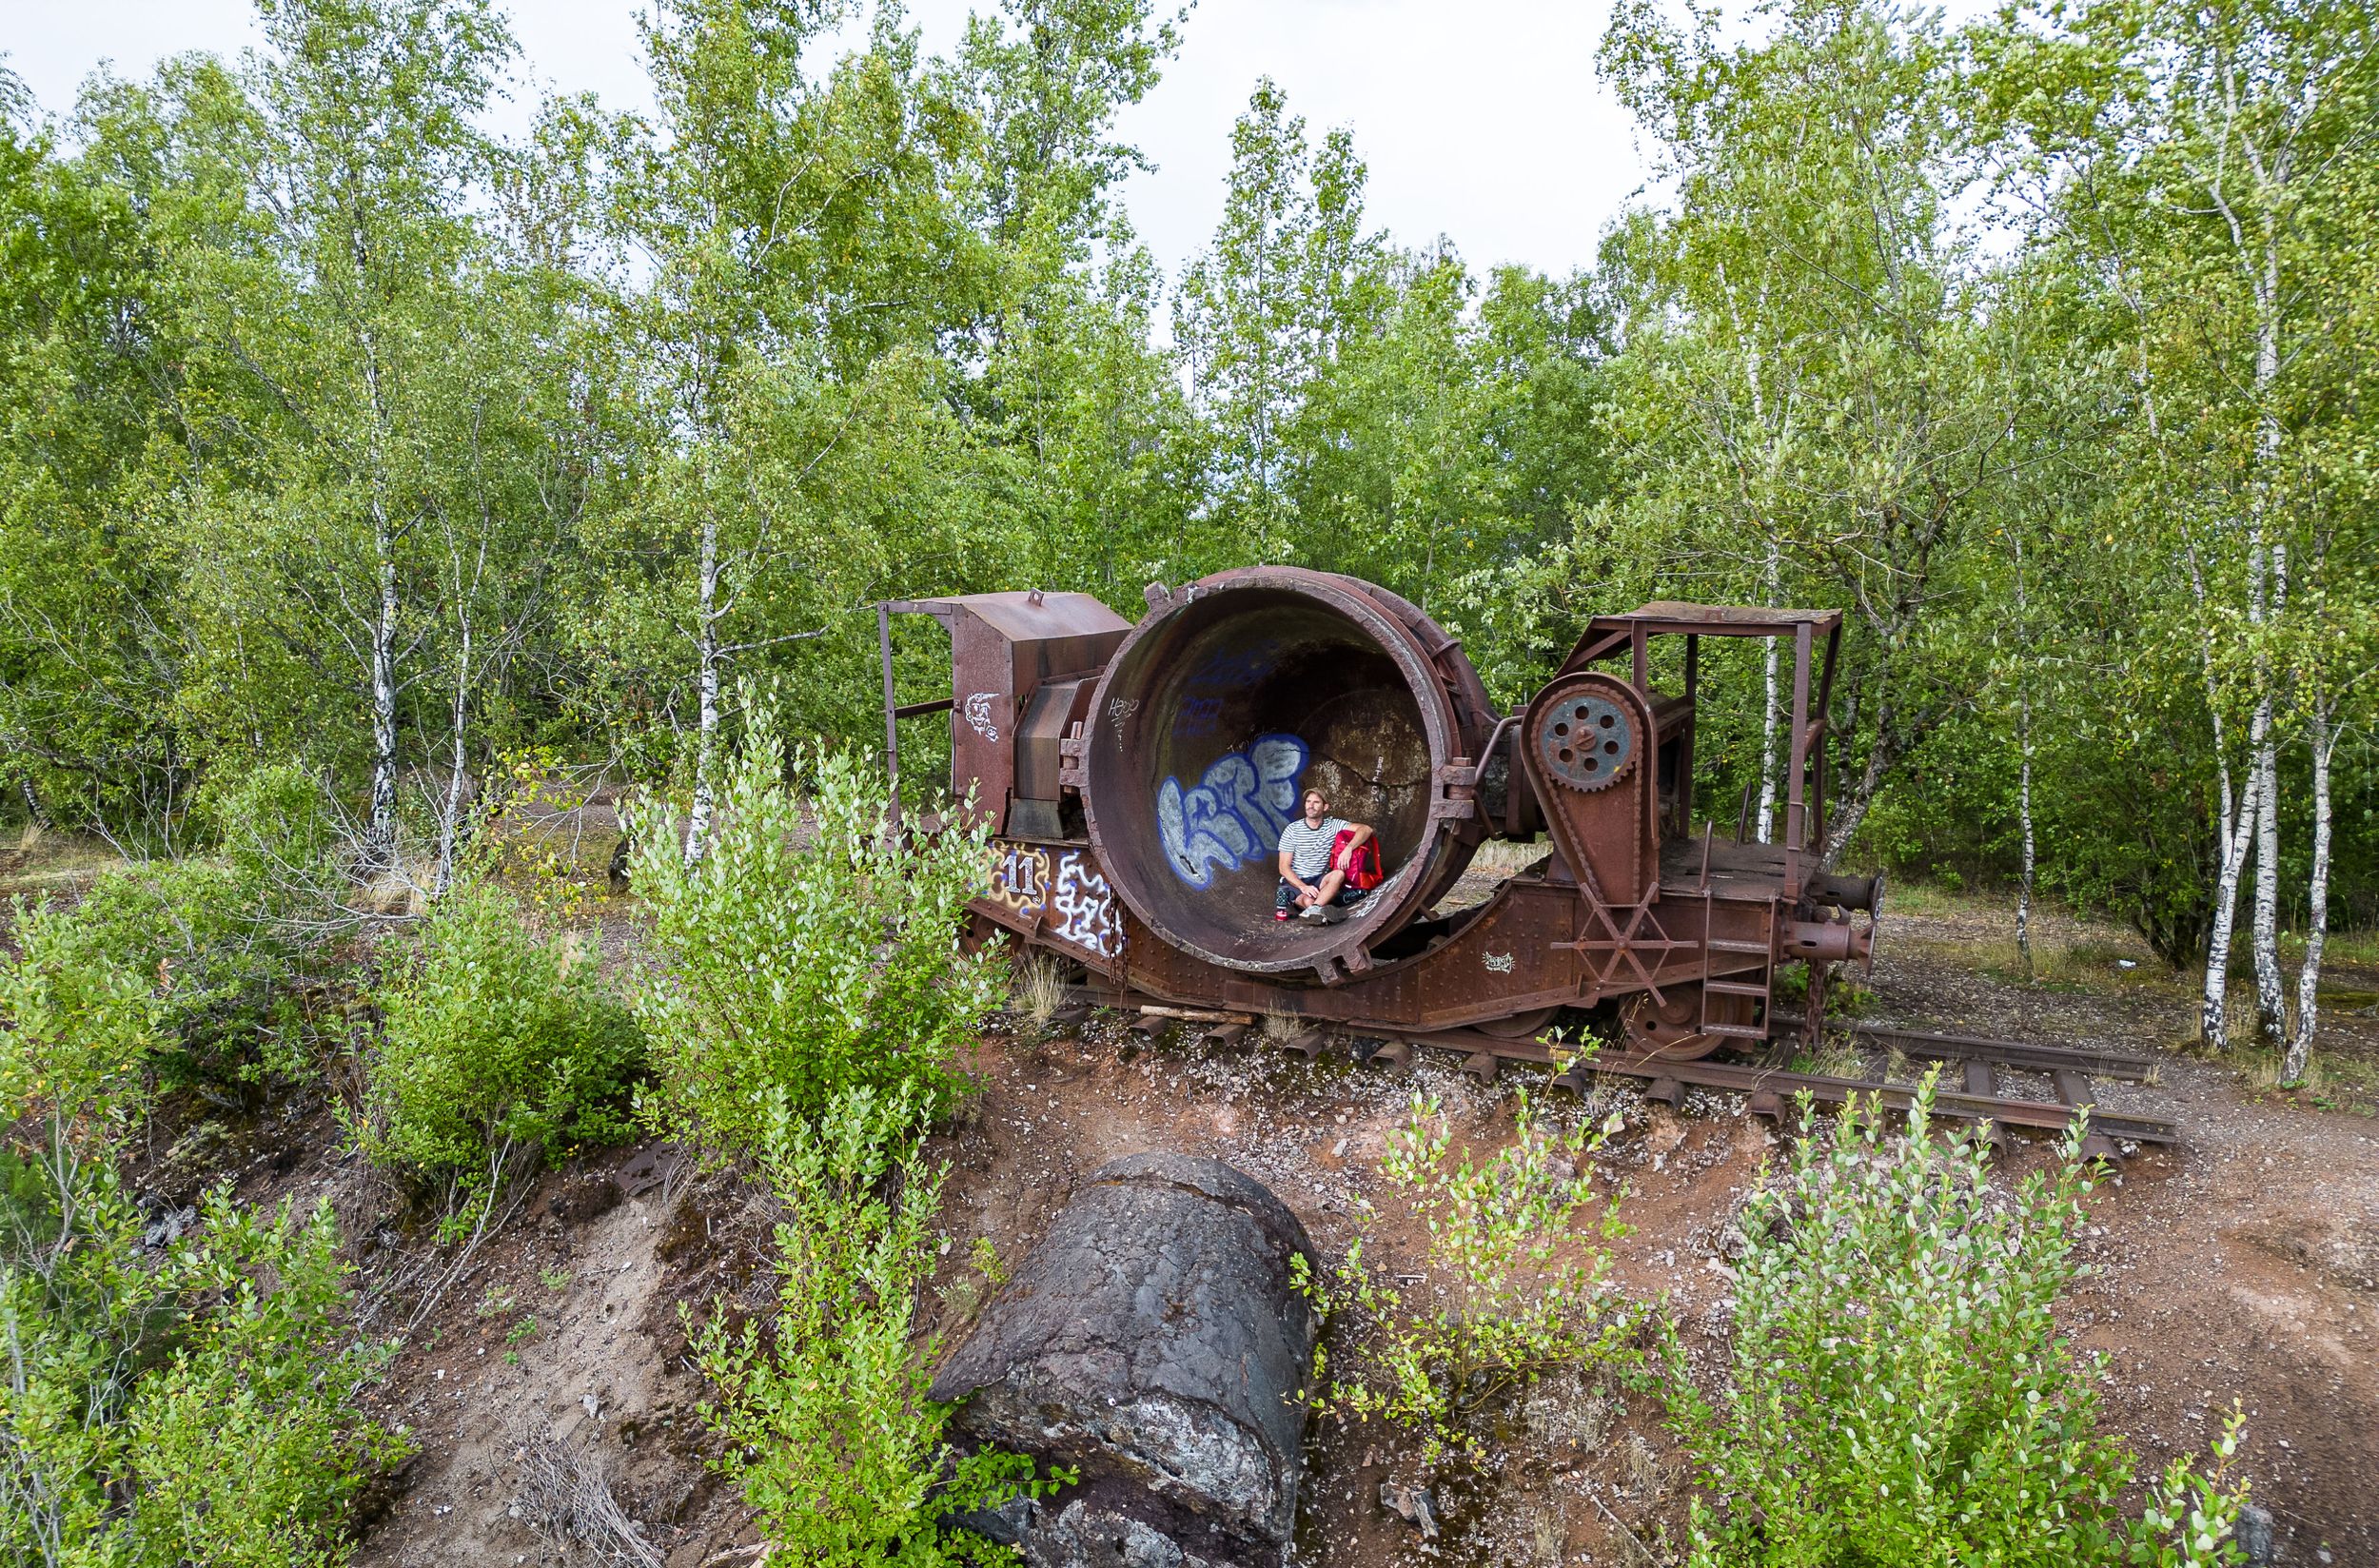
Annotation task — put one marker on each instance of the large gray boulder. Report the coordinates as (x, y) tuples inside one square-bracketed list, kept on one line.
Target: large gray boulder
[(1153, 1341)]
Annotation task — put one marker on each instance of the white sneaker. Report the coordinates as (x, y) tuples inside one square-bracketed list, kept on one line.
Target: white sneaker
[(1314, 912)]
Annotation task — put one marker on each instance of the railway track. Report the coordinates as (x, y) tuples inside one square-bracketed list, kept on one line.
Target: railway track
[(1979, 1092)]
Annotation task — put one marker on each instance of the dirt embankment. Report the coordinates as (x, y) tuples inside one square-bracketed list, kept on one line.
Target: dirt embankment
[(2243, 1266)]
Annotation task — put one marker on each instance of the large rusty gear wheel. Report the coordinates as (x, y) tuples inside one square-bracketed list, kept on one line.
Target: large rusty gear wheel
[(1586, 741), (1670, 1030)]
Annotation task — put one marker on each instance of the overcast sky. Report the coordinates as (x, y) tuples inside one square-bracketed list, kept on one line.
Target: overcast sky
[(1481, 120)]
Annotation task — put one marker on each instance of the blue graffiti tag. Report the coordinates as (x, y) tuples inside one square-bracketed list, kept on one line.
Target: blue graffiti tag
[(1235, 813)]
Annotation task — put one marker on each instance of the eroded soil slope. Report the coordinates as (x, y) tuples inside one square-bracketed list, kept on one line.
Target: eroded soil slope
[(2243, 1266)]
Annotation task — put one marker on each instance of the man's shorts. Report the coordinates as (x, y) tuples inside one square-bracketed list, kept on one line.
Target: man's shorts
[(1286, 899)]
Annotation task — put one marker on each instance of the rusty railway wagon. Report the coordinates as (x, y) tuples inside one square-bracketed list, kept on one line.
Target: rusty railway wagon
[(1136, 778)]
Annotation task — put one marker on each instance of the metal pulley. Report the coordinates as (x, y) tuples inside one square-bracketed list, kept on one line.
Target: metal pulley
[(1586, 740)]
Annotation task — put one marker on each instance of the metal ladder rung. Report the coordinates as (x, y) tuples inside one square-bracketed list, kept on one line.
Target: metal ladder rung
[(1764, 948)]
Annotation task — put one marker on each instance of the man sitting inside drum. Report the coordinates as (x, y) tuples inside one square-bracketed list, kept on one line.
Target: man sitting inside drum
[(1316, 881)]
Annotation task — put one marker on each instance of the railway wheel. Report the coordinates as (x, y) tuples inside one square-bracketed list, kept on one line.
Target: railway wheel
[(1670, 1029), (979, 932), (1520, 1025)]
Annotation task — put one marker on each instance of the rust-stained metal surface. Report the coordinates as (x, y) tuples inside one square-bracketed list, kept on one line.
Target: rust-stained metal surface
[(1139, 776), (1229, 700), (1010, 698)]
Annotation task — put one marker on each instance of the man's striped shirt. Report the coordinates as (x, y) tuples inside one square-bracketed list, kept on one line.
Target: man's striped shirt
[(1309, 848)]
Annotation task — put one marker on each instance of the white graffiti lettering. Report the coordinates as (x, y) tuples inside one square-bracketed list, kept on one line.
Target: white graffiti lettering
[(1084, 907), (1235, 814), (1501, 963), (1119, 710), (978, 713)]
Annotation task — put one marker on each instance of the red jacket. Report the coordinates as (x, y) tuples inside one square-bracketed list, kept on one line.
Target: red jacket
[(1364, 872)]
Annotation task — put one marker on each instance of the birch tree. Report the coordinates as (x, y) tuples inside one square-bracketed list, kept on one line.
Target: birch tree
[(322, 243), (1258, 313), (2191, 159), (1821, 361), (92, 658), (807, 253)]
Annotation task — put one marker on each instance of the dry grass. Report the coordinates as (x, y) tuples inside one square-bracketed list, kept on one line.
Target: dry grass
[(566, 1497), (1926, 899), (46, 861), (2082, 959), (1836, 1058), (2262, 1067), (1038, 990), (1502, 856), (2330, 1077)]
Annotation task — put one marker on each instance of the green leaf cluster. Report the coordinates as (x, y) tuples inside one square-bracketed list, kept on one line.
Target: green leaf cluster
[(174, 974), (814, 947), (189, 1402), (495, 1038), (1897, 1389), (1512, 1285), (829, 1429)]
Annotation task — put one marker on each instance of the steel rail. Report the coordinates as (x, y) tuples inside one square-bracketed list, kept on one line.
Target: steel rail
[(2019, 1055), (1769, 1087), (1744, 1078)]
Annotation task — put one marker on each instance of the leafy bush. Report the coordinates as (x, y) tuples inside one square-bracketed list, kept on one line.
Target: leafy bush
[(245, 1448), (1898, 1389), (193, 1407), (272, 824), (202, 934), (173, 973), (827, 1425), (81, 1028), (1527, 1293), (495, 1041), (804, 955)]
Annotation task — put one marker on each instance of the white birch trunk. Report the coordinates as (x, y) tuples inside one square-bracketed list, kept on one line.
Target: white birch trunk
[(2271, 990), (706, 677), (450, 815), (2300, 1046), (1775, 708), (2222, 796), (1771, 573), (380, 840), (2023, 748), (379, 830), (2023, 812), (2213, 1023)]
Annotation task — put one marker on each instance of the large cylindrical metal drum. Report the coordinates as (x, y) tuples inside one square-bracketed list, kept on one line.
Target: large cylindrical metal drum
[(1233, 695)]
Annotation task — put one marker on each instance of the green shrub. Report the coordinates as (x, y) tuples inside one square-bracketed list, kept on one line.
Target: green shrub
[(78, 1028), (827, 1425), (804, 955), (246, 1451), (173, 973), (273, 825), (1898, 1392), (204, 936), (494, 1042), (1522, 1292), (189, 1406)]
